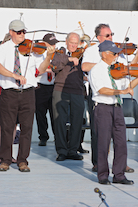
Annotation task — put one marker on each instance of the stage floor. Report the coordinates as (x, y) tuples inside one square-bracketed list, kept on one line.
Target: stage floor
[(65, 184)]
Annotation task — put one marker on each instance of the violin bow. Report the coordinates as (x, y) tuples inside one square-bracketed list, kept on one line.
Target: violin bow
[(28, 57), (124, 42), (47, 31)]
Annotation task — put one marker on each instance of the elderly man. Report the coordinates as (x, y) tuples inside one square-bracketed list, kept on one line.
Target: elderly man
[(17, 99), (108, 114), (68, 93), (90, 58)]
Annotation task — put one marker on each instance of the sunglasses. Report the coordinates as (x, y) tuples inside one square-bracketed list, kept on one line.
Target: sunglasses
[(112, 53), (107, 35), (21, 31)]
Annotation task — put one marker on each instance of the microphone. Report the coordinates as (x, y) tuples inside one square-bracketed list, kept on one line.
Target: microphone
[(96, 190)]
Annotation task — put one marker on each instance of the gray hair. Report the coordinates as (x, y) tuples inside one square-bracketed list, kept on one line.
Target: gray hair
[(100, 53), (72, 33)]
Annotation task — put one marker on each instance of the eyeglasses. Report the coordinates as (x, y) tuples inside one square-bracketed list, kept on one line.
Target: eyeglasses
[(112, 53), (107, 35), (21, 31)]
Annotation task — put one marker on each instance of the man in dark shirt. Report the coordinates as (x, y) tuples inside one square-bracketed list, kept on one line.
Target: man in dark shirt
[(68, 96)]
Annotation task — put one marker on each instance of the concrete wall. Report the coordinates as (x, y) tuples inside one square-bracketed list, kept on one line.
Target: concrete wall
[(124, 5)]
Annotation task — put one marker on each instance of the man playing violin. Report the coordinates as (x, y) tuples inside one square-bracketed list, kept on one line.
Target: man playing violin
[(108, 115), (43, 95), (68, 96), (18, 98), (91, 57)]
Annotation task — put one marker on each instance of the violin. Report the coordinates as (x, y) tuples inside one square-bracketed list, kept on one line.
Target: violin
[(127, 48), (119, 70), (37, 48), (25, 46), (78, 53)]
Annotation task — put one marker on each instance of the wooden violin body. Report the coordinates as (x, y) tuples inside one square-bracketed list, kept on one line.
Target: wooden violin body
[(127, 48), (120, 70), (78, 53), (25, 47), (37, 48)]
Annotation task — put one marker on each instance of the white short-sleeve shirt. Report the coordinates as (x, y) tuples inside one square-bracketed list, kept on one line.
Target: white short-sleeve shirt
[(92, 55), (44, 77), (99, 78), (7, 56)]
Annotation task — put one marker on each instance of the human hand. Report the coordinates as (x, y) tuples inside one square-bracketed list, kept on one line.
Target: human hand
[(21, 78), (74, 60)]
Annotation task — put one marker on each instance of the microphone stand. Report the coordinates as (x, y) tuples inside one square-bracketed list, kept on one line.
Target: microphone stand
[(96, 190), (103, 200)]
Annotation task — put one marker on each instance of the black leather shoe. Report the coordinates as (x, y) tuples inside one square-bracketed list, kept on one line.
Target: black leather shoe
[(129, 170), (124, 181), (75, 157), (105, 182), (81, 150), (94, 169), (61, 157), (42, 143)]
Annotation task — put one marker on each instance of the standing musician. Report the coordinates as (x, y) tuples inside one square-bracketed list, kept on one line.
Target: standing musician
[(7, 38), (68, 92), (43, 96), (108, 115), (91, 57), (18, 97)]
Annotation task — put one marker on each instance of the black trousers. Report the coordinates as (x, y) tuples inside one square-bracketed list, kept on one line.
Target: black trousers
[(109, 123), (61, 102), (43, 95), (94, 139), (13, 103)]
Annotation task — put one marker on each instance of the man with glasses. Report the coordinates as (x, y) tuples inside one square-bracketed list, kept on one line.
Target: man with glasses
[(108, 115), (91, 57), (18, 98)]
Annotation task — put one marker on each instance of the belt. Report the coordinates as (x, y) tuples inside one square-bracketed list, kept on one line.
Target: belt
[(19, 90), (116, 104)]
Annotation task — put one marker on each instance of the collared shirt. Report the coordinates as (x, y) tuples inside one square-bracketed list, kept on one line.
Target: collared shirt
[(99, 78), (92, 55), (44, 77), (7, 57), (68, 53)]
